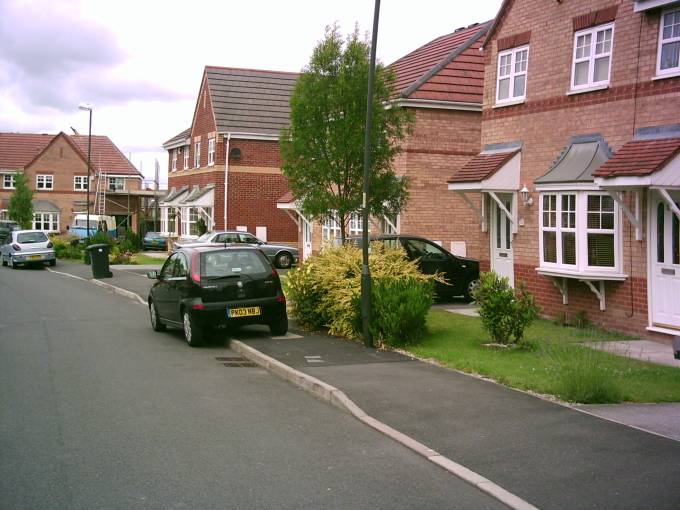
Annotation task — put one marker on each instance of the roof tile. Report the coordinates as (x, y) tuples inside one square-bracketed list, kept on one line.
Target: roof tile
[(640, 157), (482, 166)]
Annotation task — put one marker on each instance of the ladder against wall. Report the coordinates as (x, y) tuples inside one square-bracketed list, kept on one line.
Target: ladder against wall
[(100, 196)]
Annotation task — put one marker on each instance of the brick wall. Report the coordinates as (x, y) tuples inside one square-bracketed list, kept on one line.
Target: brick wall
[(549, 118)]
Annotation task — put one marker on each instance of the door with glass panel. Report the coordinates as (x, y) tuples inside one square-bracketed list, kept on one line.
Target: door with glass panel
[(501, 238), (665, 262), (306, 239)]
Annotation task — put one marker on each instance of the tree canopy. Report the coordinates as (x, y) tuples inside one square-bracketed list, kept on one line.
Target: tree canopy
[(323, 149), (20, 202)]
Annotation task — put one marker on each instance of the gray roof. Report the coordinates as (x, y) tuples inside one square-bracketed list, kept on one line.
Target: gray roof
[(197, 192), (249, 100), (179, 138), (44, 206), (578, 161)]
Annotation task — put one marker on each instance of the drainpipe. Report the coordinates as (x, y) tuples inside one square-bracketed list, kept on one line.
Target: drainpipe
[(226, 178)]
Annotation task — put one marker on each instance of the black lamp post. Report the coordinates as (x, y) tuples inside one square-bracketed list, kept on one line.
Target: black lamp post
[(365, 270), (87, 107)]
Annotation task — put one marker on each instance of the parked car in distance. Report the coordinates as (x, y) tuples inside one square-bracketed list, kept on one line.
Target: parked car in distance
[(202, 287), (462, 273), (282, 256), (27, 247), (154, 241), (7, 226)]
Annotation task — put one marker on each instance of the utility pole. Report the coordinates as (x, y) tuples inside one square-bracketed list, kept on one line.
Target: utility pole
[(365, 270), (155, 196)]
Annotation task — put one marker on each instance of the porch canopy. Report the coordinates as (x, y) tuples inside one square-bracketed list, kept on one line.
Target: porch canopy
[(202, 199), (494, 170), (174, 197), (288, 204), (651, 160), (44, 206), (576, 164)]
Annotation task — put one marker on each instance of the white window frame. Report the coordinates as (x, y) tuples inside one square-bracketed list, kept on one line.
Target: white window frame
[(330, 228), (356, 222), (672, 71), (211, 151), (174, 160), (46, 180), (512, 52), (9, 181), (80, 183), (115, 184), (186, 157), (190, 216), (49, 218), (197, 155), (582, 266), (592, 57)]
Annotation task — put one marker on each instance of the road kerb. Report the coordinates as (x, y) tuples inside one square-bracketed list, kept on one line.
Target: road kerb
[(339, 399), (123, 292)]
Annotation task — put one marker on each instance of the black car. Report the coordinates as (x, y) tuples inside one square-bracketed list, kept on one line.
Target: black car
[(462, 273), (202, 287)]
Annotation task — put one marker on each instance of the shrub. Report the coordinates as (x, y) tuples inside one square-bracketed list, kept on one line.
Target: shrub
[(325, 290), (98, 238), (505, 312), (201, 227), (132, 242), (66, 247), (120, 256), (399, 309)]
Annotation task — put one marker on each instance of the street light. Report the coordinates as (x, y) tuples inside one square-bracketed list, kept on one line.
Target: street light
[(87, 107), (365, 271)]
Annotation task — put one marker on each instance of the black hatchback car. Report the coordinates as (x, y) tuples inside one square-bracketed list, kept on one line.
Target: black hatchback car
[(202, 287), (462, 273)]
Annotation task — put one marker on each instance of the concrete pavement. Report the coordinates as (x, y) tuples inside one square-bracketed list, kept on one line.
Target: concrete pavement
[(547, 454)]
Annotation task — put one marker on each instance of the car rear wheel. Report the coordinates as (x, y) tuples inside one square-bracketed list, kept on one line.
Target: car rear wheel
[(470, 286), (279, 327), (192, 331), (53, 263), (14, 264), (156, 323), (284, 260), (4, 262)]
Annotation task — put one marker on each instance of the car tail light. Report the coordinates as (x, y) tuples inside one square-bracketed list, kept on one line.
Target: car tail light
[(196, 267), (281, 298), (50, 245), (199, 306), (275, 273), (16, 247)]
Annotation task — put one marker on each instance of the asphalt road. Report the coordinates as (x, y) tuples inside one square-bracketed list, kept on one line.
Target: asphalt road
[(98, 411)]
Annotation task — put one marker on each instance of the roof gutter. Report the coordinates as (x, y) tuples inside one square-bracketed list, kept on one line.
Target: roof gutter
[(441, 105), (249, 136)]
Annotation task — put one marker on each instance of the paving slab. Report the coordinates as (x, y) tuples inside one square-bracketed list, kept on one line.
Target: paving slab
[(645, 350)]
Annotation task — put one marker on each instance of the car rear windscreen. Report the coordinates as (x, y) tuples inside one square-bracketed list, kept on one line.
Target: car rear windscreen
[(233, 263), (31, 237)]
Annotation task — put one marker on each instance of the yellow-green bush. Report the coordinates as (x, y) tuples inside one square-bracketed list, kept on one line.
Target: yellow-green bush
[(326, 288)]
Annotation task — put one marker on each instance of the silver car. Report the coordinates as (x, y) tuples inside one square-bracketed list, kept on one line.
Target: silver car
[(281, 255), (27, 247)]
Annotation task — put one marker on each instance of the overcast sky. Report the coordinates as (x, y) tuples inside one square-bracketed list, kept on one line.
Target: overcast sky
[(140, 62)]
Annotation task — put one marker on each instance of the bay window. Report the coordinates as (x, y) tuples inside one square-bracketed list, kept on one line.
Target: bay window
[(511, 81), (668, 60), (47, 222), (579, 232), (330, 229)]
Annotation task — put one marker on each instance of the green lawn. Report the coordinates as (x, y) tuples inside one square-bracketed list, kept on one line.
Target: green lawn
[(143, 259), (557, 366)]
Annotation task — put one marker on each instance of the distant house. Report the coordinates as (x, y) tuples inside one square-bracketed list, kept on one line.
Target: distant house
[(225, 168), (442, 82), (56, 168), (579, 172)]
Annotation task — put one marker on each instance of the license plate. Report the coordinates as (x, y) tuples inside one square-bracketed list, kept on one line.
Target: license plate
[(243, 312), (154, 243), (34, 257)]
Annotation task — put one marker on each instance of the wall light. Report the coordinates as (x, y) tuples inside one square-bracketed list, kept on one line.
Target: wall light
[(524, 193)]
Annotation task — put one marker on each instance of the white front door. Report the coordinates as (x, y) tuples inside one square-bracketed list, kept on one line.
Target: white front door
[(501, 238), (665, 263), (306, 239)]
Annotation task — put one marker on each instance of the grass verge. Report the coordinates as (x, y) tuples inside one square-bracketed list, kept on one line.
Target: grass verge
[(142, 259), (556, 364)]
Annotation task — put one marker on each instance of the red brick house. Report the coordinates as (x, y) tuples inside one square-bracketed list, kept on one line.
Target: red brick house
[(233, 139), (442, 84), (56, 168), (579, 173)]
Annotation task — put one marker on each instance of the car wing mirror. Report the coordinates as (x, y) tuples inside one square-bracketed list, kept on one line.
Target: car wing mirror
[(152, 275)]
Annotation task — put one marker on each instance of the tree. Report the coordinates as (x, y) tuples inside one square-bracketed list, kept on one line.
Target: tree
[(323, 149), (20, 202)]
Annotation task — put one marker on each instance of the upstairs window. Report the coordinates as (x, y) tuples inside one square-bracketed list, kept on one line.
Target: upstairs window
[(80, 182), (511, 82), (116, 184), (8, 181), (592, 57), (186, 157), (197, 154), (211, 151), (669, 43), (174, 159), (44, 182)]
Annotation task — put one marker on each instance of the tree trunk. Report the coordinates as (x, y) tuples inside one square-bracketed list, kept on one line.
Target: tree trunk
[(343, 223)]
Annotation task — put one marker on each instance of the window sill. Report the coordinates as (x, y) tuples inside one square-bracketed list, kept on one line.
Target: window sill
[(509, 103), (674, 74), (595, 88), (564, 273)]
